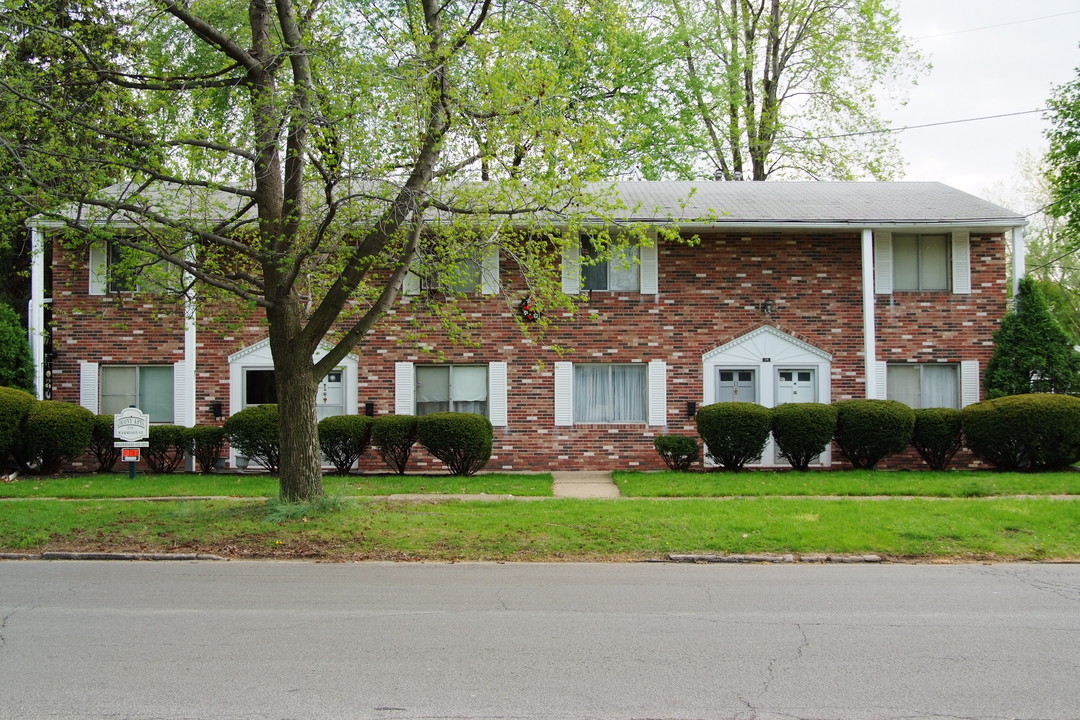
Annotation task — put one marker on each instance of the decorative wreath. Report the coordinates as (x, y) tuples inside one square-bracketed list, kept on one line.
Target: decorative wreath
[(528, 311)]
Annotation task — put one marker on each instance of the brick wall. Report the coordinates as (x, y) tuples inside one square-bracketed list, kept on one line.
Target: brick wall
[(709, 295)]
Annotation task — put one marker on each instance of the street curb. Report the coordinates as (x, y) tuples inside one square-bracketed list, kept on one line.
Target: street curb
[(108, 556), (784, 559)]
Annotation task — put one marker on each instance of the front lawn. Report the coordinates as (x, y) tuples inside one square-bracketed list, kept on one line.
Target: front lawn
[(948, 483), (597, 530), (117, 485)]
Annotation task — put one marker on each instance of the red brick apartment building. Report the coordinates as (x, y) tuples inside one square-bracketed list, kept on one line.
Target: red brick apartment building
[(793, 292)]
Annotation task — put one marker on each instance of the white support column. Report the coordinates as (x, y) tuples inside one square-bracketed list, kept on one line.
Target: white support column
[(190, 340), (1019, 258), (36, 310), (869, 324)]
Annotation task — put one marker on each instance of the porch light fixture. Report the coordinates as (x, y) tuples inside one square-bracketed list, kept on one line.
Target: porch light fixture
[(691, 408), (217, 410), (767, 307), (369, 409)]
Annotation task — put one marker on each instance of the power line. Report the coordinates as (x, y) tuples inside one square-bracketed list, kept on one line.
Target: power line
[(917, 127), (1000, 25)]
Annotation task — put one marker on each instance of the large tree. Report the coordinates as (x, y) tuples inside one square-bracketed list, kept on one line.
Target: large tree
[(1063, 157), (763, 88), (301, 155)]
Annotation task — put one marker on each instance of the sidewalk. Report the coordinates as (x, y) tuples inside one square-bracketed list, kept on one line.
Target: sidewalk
[(585, 485)]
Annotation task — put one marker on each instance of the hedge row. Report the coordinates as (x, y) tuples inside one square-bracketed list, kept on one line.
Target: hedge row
[(1020, 432)]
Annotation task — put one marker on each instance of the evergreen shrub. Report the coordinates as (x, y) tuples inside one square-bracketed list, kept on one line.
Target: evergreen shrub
[(103, 443), (166, 450), (15, 405), (343, 439), (735, 433), (678, 452), (869, 430), (207, 444), (937, 435), (394, 436), (1024, 432), (54, 433), (802, 431), (254, 433), (461, 440)]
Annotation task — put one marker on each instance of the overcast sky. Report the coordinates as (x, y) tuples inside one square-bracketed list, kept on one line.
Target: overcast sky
[(990, 57)]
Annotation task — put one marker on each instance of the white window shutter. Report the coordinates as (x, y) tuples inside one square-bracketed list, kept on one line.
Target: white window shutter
[(99, 269), (657, 392), (961, 262), (969, 382), (489, 270), (881, 382), (497, 407), (404, 388), (564, 394), (183, 411), (88, 385), (883, 263), (650, 266), (571, 265)]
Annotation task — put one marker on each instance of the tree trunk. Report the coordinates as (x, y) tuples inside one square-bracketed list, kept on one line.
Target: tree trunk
[(301, 459)]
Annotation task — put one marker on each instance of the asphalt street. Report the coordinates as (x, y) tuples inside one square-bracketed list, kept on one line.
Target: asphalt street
[(237, 640)]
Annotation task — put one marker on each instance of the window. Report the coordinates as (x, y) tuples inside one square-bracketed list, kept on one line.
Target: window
[(435, 272), (463, 277), (610, 393), (920, 262), (619, 272), (260, 387), (115, 268), (924, 385), (452, 388), (147, 387)]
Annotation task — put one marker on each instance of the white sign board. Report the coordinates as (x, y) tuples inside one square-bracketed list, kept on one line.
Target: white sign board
[(131, 424)]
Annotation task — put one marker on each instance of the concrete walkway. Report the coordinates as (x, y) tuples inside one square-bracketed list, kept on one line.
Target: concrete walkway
[(584, 485)]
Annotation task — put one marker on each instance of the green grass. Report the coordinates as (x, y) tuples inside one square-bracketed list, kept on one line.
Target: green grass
[(961, 483), (967, 529), (116, 485)]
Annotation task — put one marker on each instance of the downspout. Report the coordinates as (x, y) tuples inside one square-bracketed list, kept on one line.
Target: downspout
[(1019, 258), (36, 308), (869, 324)]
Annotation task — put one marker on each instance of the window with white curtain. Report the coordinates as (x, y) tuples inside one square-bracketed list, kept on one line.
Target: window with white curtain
[(620, 271), (452, 388), (926, 385), (610, 393), (147, 387), (920, 262)]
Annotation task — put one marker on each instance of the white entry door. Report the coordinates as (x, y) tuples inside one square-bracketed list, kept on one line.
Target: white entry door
[(795, 386), (331, 395), (736, 385)]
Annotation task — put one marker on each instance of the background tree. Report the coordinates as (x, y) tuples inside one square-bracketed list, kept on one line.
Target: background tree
[(293, 155), (1032, 354), (16, 364), (1063, 158), (763, 88)]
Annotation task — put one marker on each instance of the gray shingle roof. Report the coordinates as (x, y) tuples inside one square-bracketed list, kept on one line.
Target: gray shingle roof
[(810, 203)]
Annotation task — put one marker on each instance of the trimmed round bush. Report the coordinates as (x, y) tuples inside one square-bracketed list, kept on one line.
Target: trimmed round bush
[(54, 433), (461, 440), (103, 443), (394, 436), (678, 452), (802, 431), (15, 405), (343, 439), (166, 450), (207, 444), (869, 430), (1024, 432), (254, 432), (735, 433), (937, 435)]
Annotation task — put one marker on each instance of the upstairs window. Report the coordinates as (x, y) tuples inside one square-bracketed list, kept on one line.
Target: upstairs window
[(620, 270), (920, 262)]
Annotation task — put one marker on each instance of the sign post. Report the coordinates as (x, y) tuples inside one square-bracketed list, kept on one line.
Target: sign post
[(131, 428)]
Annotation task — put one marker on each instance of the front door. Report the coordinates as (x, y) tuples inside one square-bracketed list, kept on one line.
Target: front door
[(736, 386), (330, 398), (795, 386)]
